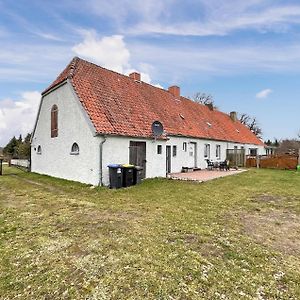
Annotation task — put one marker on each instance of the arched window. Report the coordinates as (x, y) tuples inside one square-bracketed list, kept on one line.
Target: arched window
[(54, 123), (75, 149), (39, 150)]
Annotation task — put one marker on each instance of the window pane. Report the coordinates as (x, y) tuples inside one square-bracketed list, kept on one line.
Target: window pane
[(75, 149), (159, 149), (207, 150), (54, 121), (253, 152), (39, 150), (174, 150), (218, 151)]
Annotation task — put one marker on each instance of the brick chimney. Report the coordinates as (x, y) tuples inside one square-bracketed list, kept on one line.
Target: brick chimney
[(175, 91), (135, 76), (233, 116)]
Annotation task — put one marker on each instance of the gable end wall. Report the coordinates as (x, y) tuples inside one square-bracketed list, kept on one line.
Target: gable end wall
[(55, 159)]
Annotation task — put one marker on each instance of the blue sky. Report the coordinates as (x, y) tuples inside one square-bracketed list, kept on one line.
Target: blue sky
[(244, 53)]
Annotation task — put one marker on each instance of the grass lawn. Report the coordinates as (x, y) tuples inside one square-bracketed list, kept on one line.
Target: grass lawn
[(236, 237)]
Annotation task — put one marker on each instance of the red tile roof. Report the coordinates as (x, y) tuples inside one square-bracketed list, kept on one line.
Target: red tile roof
[(119, 105)]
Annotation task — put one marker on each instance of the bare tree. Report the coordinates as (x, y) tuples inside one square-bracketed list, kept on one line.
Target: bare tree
[(205, 99), (245, 119), (289, 146), (251, 123)]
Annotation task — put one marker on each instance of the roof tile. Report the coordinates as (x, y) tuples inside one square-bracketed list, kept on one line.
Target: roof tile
[(119, 105)]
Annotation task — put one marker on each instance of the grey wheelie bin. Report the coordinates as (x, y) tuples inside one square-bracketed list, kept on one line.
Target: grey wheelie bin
[(115, 176)]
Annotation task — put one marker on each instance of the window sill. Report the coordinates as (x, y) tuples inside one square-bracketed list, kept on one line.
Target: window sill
[(74, 153)]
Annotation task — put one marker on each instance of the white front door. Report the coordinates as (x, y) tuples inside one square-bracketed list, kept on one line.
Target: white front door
[(192, 148)]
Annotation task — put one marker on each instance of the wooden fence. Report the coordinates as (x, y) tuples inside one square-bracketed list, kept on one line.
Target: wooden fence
[(284, 162), (236, 157)]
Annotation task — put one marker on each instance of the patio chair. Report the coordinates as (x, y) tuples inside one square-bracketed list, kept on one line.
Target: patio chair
[(210, 164), (224, 165)]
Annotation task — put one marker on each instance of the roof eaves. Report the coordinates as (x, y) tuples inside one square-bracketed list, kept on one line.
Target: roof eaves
[(54, 87)]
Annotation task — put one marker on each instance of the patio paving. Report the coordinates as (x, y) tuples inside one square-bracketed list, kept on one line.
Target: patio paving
[(204, 175)]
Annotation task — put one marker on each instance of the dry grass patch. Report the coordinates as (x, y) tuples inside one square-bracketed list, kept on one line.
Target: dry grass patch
[(268, 198), (277, 229)]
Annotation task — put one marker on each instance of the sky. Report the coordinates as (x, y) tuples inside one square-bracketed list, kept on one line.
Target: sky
[(246, 54)]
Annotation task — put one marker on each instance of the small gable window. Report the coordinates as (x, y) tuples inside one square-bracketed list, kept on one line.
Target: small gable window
[(54, 121), (39, 150), (75, 149)]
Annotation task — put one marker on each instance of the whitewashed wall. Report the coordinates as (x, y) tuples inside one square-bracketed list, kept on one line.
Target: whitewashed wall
[(74, 126), (55, 158), (183, 159), (116, 150)]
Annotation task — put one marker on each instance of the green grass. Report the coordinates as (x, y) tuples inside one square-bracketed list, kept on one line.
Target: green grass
[(236, 237)]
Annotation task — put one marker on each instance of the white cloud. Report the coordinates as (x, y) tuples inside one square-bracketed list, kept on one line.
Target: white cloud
[(264, 93), (159, 86), (269, 20), (218, 59), (129, 10), (48, 36), (215, 17), (35, 62), (109, 51), (18, 116)]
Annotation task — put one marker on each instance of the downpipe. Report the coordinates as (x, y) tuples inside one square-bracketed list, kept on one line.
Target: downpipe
[(100, 161)]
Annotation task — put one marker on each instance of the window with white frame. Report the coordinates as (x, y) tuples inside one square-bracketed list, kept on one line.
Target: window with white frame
[(184, 146), (207, 150), (75, 149), (253, 151), (218, 151), (39, 149)]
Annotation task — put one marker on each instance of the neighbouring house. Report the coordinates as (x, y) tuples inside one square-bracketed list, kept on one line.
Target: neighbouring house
[(90, 117), (270, 150)]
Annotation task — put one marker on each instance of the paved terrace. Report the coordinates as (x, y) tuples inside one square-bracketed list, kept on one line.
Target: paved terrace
[(204, 175)]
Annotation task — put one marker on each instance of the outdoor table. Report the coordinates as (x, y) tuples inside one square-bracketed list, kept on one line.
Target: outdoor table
[(216, 165)]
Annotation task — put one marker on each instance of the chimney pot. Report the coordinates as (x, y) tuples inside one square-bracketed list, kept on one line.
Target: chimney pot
[(233, 116), (175, 91), (135, 76)]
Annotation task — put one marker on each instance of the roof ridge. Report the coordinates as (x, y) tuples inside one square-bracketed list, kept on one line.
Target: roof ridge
[(117, 73), (67, 73), (72, 66)]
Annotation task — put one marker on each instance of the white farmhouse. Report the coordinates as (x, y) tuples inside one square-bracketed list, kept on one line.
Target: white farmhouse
[(90, 117)]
